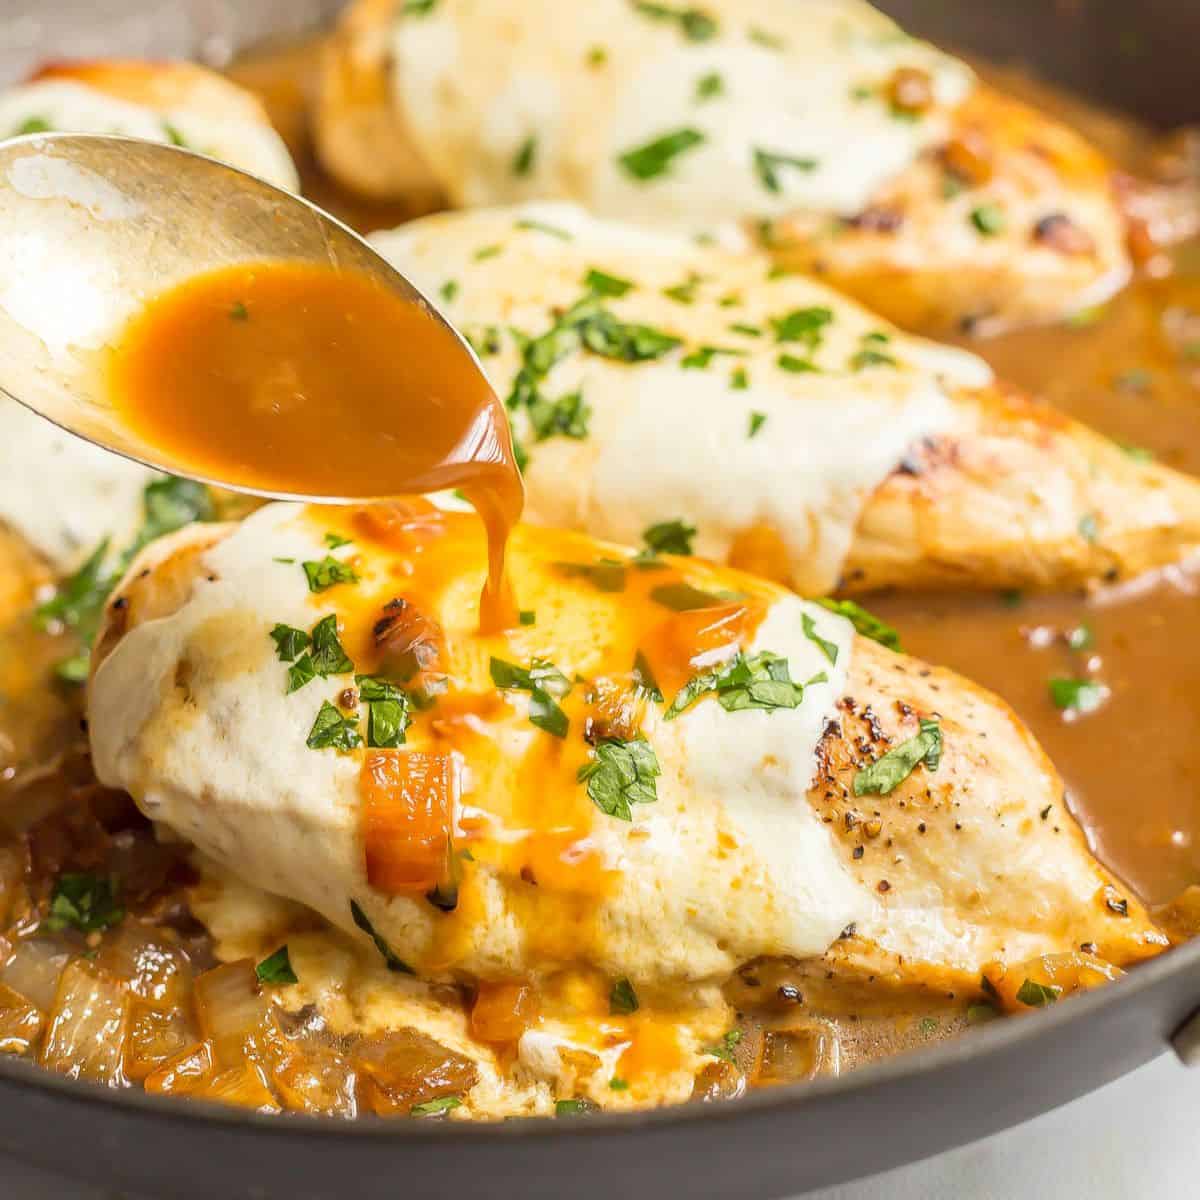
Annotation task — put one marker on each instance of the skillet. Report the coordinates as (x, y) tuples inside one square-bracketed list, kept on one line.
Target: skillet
[(772, 1142)]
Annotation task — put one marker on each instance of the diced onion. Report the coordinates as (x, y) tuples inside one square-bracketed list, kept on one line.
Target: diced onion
[(308, 1074), (803, 1052), (20, 1023), (156, 1035), (403, 1067), (503, 1011), (155, 969), (34, 969), (86, 1035), (231, 1009)]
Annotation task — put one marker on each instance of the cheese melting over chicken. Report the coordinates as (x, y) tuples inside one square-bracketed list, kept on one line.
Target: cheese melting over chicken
[(64, 104), (189, 714), (773, 106), (784, 404)]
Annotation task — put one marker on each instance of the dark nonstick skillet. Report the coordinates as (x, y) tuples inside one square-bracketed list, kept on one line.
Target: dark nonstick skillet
[(774, 1142)]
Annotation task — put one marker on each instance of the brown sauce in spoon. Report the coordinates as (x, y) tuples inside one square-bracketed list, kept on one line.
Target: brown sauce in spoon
[(290, 377)]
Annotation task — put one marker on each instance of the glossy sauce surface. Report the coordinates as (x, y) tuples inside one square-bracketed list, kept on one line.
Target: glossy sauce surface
[(297, 378)]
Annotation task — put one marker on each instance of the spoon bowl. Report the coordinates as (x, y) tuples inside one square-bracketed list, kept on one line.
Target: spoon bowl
[(93, 227)]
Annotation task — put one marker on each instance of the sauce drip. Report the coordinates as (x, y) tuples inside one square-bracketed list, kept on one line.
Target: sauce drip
[(289, 377)]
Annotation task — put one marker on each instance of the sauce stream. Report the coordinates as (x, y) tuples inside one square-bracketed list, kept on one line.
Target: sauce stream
[(290, 377)]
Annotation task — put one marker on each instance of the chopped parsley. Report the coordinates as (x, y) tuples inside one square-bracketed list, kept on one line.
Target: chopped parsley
[(448, 290), (544, 682), (768, 165), (418, 8), (747, 330), (388, 714), (865, 623), (327, 573), (643, 677), (486, 252), (739, 380), (543, 227), (616, 1084), (1037, 995), (238, 311), (761, 681), (332, 730), (328, 655), (290, 642), (484, 339), (300, 673), (574, 1108), (694, 23), (335, 541), (871, 353), (622, 999), (605, 575), (527, 617), (393, 962), (525, 157), (620, 775), (669, 537), (797, 366), (724, 1049), (597, 56), (988, 219), (888, 772), (684, 597), (1077, 695), (565, 417), (685, 292), (829, 649), (709, 86), (32, 125), (600, 283), (436, 1107), (85, 902), (276, 968), (763, 37), (806, 325), (654, 158), (757, 421), (1137, 453)]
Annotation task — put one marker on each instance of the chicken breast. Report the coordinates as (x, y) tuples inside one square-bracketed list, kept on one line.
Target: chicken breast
[(650, 380), (524, 802), (59, 493), (852, 150)]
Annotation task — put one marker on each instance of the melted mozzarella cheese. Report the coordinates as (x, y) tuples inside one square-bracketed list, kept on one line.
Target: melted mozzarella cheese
[(61, 104), (61, 494), (667, 440), (518, 99), (188, 713)]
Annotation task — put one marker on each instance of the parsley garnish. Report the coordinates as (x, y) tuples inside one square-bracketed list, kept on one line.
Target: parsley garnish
[(887, 773), (85, 902), (1078, 695), (739, 380), (544, 682), (797, 366), (32, 125), (393, 962), (573, 1108), (436, 1107), (327, 573), (527, 617), (600, 283), (694, 23), (606, 574), (566, 417), (761, 37), (747, 330), (703, 355), (685, 292), (762, 681), (333, 731), (767, 165), (1037, 995), (710, 85), (622, 1000), (643, 677), (239, 312), (525, 157), (988, 219), (276, 968), (655, 158), (335, 540), (870, 353), (865, 623), (290, 642), (328, 655), (829, 649), (620, 775), (448, 290), (669, 537), (757, 421), (388, 713), (806, 325), (484, 339), (684, 597), (543, 227), (724, 1048), (418, 8), (616, 1084), (486, 252)]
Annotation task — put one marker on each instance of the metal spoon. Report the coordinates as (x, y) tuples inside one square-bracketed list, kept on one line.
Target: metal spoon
[(93, 226)]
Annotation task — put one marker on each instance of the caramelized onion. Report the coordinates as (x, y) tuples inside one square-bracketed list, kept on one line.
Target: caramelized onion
[(309, 1074), (34, 969), (503, 1011), (20, 1022), (156, 1035), (232, 1011), (85, 1038), (403, 1067), (407, 809), (802, 1052)]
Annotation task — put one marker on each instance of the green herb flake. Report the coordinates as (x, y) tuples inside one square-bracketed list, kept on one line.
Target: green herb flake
[(335, 541), (622, 1000), (435, 1108), (866, 624), (685, 292), (333, 731), (448, 290), (525, 157), (32, 125), (527, 616), (643, 677), (528, 223), (886, 774), (88, 903), (829, 649), (276, 968), (1037, 995), (805, 325), (654, 158), (988, 219), (1137, 453), (1077, 695), (605, 575), (600, 283), (724, 1049), (762, 681), (486, 252), (573, 1108), (797, 366), (289, 641), (746, 330), (544, 682), (328, 655), (300, 673), (766, 39), (616, 1084), (327, 573), (871, 353), (694, 23), (388, 711), (709, 86), (238, 311), (669, 537), (620, 775), (597, 56), (739, 380), (393, 962), (684, 597), (418, 8), (768, 166), (928, 1026)]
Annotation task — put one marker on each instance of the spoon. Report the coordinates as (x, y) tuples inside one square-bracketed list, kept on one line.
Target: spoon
[(93, 227)]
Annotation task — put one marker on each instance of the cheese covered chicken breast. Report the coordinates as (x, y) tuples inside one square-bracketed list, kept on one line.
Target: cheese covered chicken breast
[(853, 151), (661, 389), (665, 771)]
